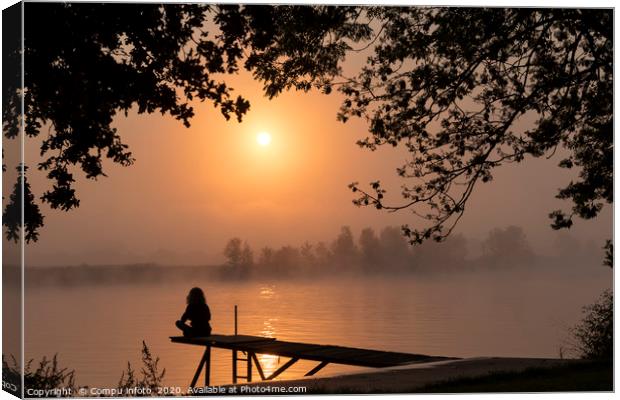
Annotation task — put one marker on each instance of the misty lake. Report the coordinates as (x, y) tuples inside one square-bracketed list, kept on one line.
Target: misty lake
[(96, 329)]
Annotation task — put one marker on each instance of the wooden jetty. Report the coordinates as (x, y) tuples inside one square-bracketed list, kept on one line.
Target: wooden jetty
[(250, 346)]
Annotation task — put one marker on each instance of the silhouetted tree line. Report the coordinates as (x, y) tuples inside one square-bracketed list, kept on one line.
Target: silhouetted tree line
[(385, 252), (366, 253)]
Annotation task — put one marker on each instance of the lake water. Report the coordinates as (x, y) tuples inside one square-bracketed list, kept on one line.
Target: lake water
[(96, 329)]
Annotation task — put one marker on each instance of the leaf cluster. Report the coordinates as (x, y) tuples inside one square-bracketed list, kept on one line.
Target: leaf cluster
[(12, 214), (88, 63), (455, 85)]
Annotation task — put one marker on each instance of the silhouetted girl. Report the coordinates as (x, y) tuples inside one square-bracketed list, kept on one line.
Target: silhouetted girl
[(198, 313)]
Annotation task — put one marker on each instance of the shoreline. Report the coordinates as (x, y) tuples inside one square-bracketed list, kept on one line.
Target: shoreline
[(408, 378)]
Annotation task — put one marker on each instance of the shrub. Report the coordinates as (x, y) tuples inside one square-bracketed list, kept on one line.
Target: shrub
[(594, 334)]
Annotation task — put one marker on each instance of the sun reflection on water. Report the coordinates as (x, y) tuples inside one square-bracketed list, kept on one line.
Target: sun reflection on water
[(267, 291), (269, 362)]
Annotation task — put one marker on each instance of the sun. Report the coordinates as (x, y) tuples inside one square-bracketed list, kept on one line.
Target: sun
[(263, 139)]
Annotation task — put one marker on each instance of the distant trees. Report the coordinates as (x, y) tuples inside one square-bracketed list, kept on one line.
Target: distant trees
[(371, 254), (395, 251), (567, 244), (247, 256), (507, 247), (572, 248), (321, 251), (266, 257), (286, 261), (385, 253), (448, 255), (344, 252), (239, 257), (309, 260), (233, 251)]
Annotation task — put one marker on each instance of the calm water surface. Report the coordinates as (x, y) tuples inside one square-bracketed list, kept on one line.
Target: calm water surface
[(97, 329)]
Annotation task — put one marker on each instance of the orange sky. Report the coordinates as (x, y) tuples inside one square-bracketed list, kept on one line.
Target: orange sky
[(191, 190)]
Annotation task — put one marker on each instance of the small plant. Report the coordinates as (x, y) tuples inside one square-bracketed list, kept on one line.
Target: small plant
[(48, 376), (11, 375), (127, 380), (44, 379), (48, 380), (151, 377)]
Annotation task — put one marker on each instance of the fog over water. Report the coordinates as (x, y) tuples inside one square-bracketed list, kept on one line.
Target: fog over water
[(437, 299)]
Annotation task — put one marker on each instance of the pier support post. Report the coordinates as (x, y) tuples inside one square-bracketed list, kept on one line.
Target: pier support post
[(206, 362), (208, 366), (282, 368), (249, 372), (316, 369), (234, 353), (258, 367), (234, 366)]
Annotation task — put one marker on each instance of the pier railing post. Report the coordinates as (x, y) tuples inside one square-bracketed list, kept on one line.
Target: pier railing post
[(205, 361), (235, 320), (234, 353)]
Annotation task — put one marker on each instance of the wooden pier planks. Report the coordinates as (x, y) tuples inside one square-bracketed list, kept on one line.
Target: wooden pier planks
[(306, 351), (219, 339)]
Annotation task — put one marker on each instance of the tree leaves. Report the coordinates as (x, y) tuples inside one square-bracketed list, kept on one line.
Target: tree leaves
[(450, 84), (86, 63), (12, 215)]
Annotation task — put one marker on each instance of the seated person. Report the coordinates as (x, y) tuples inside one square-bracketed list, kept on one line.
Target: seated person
[(198, 313)]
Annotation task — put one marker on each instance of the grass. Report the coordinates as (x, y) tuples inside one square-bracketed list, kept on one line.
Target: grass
[(587, 376)]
